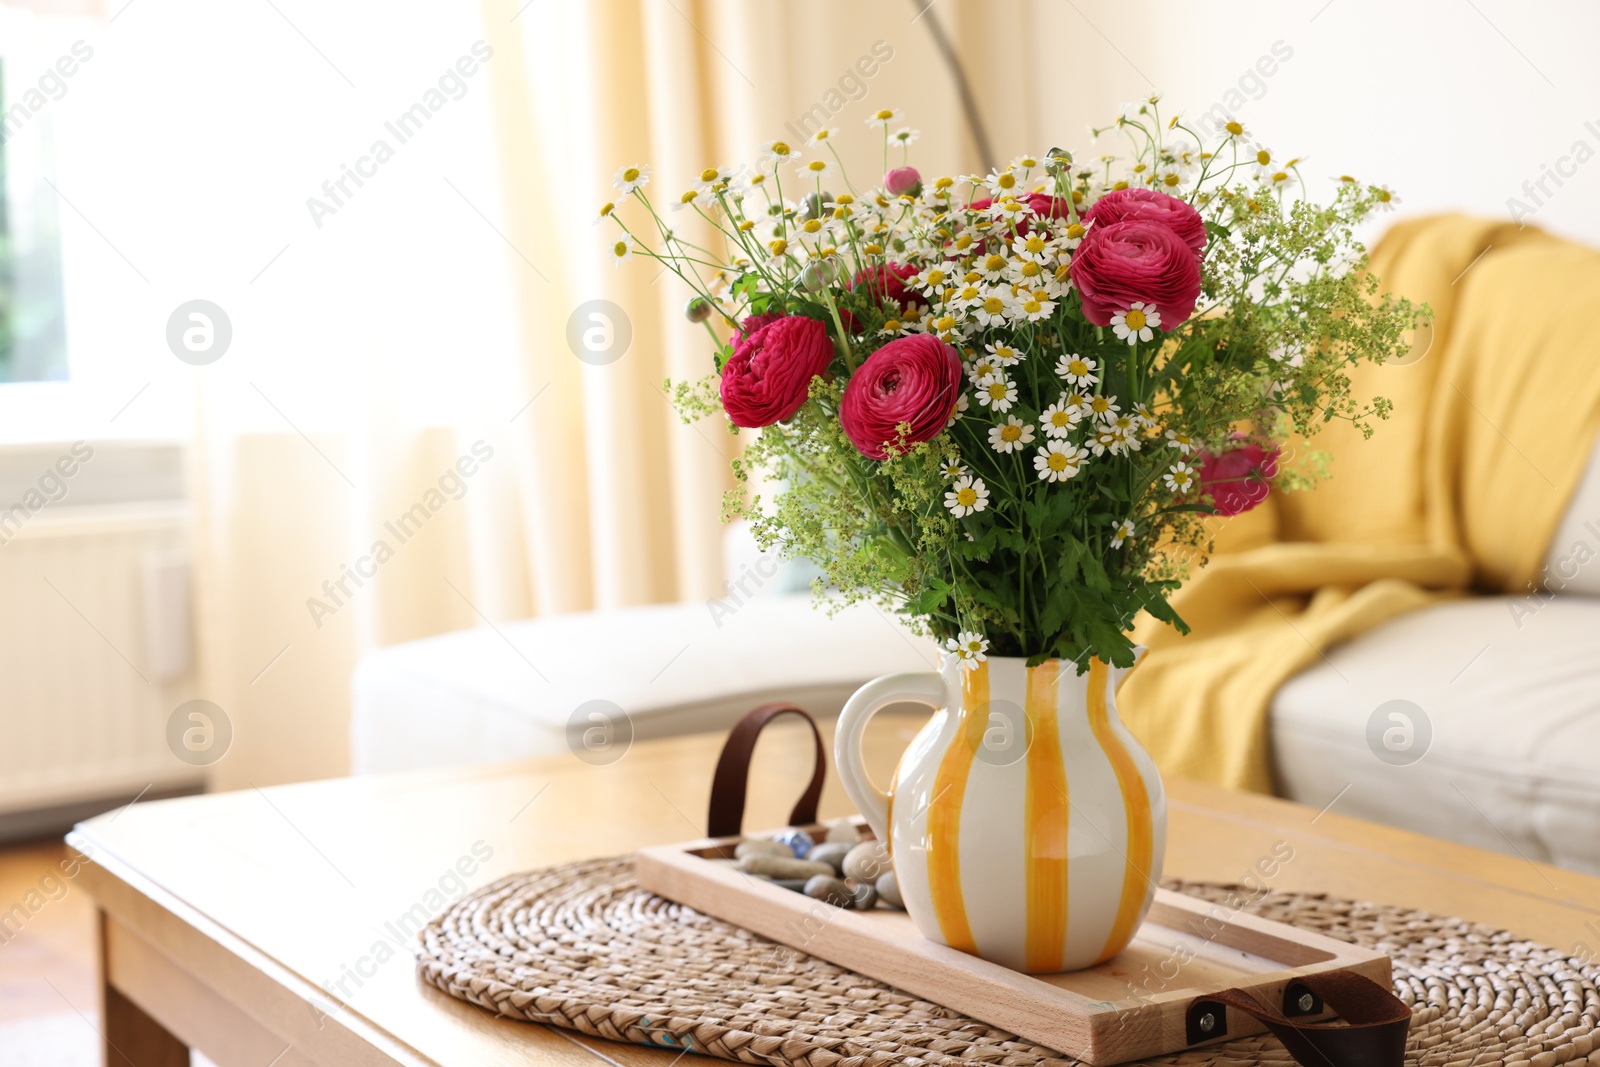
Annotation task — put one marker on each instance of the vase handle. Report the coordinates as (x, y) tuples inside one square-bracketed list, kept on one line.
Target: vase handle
[(922, 687)]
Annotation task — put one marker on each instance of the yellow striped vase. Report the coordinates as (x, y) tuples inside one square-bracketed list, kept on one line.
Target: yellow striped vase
[(1025, 823)]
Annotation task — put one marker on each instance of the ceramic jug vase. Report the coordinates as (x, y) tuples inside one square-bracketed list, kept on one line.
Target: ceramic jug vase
[(1025, 824)]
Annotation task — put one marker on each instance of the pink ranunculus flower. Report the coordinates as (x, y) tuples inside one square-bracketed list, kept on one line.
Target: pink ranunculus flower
[(901, 181), (1240, 478), (1123, 263), (768, 377), (1151, 205), (914, 380), (752, 323), (885, 281)]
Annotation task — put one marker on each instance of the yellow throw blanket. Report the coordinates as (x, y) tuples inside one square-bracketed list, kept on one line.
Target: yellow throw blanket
[(1459, 491)]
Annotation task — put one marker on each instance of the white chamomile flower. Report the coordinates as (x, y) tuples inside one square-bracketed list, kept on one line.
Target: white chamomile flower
[(905, 136), (1004, 355), (629, 180), (1125, 531), (886, 117), (779, 152), (961, 407), (689, 197), (1182, 442), (994, 307), (1102, 407), (1181, 478), (991, 267), (997, 391), (1281, 179), (816, 168), (1008, 209), (1035, 246), (1003, 183), (1059, 460), (931, 281), (1265, 163), (1025, 167), (1059, 418), (983, 368), (1385, 197), (1142, 419), (966, 496), (1233, 128), (1106, 439), (823, 136), (973, 648), (620, 253), (1010, 435), (1035, 307), (954, 470), (1138, 323), (714, 180), (1077, 370)]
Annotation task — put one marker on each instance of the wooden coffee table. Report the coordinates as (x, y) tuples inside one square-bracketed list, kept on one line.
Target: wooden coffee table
[(227, 919)]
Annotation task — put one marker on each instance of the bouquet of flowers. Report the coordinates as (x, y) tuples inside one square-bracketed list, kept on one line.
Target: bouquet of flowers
[(1008, 403)]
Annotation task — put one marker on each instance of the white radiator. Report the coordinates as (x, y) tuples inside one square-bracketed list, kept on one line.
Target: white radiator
[(94, 654)]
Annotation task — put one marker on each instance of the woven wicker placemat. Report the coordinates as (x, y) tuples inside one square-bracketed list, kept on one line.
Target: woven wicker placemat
[(582, 946)]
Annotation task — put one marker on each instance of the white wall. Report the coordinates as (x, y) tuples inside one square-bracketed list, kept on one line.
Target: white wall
[(1453, 103)]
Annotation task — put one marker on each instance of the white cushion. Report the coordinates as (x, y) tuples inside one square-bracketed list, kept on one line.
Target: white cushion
[(1510, 690), (478, 696), (1572, 562)]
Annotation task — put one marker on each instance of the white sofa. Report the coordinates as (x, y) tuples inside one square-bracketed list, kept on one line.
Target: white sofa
[(1476, 720)]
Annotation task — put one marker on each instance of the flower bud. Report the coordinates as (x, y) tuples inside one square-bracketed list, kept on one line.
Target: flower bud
[(697, 310), (902, 181)]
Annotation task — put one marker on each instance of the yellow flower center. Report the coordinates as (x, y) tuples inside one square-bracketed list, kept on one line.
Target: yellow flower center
[(994, 263), (780, 148), (1263, 157), (998, 390), (946, 323), (884, 116), (1007, 180), (963, 242), (1030, 269), (779, 247), (1032, 306), (1234, 127), (747, 225), (994, 305), (1280, 176), (1074, 401), (936, 276), (620, 249), (1135, 319), (686, 197), (709, 174), (844, 198), (1060, 418), (969, 293), (943, 183), (1119, 185), (1057, 461), (1035, 244), (817, 166), (1077, 368), (1384, 196), (1100, 405), (631, 174), (893, 325), (873, 249), (966, 496), (1171, 180), (607, 209), (820, 135), (1010, 432), (1003, 352)]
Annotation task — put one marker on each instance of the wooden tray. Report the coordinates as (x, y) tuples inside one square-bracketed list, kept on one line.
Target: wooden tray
[(1150, 1000)]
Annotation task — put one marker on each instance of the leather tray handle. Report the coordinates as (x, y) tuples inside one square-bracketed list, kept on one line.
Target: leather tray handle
[(726, 816), (1375, 1022)]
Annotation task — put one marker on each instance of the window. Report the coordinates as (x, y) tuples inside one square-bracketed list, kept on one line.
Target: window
[(33, 339)]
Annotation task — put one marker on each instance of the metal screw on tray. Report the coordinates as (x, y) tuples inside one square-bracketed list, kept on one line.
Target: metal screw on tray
[(1307, 1002), (1207, 1023)]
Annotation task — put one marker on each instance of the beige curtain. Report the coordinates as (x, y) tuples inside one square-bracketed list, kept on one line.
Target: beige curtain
[(597, 496)]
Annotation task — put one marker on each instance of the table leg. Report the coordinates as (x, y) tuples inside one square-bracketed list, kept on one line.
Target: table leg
[(132, 1038)]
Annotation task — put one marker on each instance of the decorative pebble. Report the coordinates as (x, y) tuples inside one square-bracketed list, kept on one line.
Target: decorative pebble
[(799, 842), (760, 846), (842, 831), (867, 862), (829, 890), (783, 867), (889, 891), (794, 885), (862, 896), (831, 853)]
